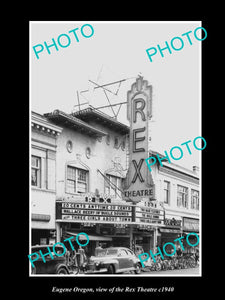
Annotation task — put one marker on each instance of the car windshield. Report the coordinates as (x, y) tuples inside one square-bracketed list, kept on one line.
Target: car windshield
[(105, 252)]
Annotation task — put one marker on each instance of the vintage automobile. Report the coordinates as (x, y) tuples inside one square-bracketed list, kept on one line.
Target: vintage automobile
[(51, 266), (113, 260)]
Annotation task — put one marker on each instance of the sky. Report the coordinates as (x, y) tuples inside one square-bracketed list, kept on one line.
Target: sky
[(115, 51)]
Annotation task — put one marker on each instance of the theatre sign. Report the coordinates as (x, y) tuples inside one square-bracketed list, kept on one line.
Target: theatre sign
[(102, 209), (106, 209), (138, 182)]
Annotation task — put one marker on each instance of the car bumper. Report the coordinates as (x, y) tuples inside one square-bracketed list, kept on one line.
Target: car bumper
[(90, 269), (96, 271)]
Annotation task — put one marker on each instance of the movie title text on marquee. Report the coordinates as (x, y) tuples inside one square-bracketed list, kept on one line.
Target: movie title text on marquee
[(113, 212)]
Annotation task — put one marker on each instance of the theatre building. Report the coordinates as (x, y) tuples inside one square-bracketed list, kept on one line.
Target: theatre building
[(91, 177), (91, 164), (91, 195)]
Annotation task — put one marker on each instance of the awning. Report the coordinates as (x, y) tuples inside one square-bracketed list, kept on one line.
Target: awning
[(68, 234), (167, 230), (40, 217)]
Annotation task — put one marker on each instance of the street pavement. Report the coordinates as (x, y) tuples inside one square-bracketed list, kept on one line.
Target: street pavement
[(176, 272), (189, 271)]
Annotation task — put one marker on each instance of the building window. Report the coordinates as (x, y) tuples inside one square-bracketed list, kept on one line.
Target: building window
[(36, 171), (69, 146), (108, 139), (82, 181), (113, 185), (182, 196), (123, 145), (195, 199), (88, 152), (166, 192), (71, 180), (77, 180), (116, 142)]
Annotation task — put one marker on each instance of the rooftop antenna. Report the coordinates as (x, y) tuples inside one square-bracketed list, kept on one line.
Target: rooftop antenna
[(107, 91), (78, 100)]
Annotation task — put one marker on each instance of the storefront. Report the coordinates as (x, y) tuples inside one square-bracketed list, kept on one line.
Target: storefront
[(108, 222), (190, 225), (144, 237), (69, 230), (170, 232), (42, 236), (103, 219)]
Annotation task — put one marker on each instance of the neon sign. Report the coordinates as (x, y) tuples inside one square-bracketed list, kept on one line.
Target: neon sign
[(139, 111)]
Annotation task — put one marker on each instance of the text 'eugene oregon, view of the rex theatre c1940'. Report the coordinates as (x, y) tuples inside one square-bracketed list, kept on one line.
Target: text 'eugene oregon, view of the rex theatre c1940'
[(115, 148)]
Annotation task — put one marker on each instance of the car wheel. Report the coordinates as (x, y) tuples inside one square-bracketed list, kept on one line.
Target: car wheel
[(62, 270), (138, 268), (76, 270), (110, 269)]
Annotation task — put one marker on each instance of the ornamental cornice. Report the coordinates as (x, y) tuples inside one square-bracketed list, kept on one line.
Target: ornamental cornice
[(41, 125), (44, 129)]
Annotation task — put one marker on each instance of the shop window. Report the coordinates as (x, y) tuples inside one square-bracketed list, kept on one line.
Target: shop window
[(77, 180), (36, 171), (195, 199), (113, 185), (166, 191), (182, 196)]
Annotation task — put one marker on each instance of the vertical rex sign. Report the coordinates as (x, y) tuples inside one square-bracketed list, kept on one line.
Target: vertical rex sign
[(138, 182)]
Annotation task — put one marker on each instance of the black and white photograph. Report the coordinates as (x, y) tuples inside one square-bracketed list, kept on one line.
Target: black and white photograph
[(116, 150)]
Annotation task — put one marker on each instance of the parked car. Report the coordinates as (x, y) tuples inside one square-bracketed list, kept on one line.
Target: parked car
[(51, 266), (113, 260)]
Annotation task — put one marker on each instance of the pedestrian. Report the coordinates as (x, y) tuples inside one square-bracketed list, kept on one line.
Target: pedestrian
[(67, 255), (74, 257), (98, 249), (179, 252), (197, 255), (82, 256)]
